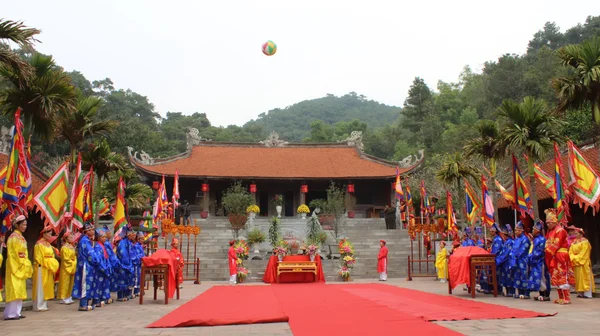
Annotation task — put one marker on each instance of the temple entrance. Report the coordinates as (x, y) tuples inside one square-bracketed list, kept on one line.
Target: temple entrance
[(288, 199), (263, 203)]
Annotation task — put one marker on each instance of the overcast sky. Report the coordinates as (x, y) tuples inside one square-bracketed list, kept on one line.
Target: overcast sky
[(205, 56)]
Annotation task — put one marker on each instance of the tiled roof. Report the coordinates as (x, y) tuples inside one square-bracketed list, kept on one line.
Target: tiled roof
[(294, 161), (590, 152), (38, 178)]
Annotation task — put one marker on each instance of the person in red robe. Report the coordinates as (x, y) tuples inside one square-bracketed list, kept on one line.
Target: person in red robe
[(382, 261), (176, 253), (557, 258), (232, 256)]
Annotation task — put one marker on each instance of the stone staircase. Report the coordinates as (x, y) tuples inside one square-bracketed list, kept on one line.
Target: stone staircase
[(364, 234)]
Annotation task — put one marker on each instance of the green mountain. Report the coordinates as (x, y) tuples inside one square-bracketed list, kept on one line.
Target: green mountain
[(293, 123)]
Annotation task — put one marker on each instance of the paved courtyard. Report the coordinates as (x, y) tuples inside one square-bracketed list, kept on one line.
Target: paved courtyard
[(580, 318)]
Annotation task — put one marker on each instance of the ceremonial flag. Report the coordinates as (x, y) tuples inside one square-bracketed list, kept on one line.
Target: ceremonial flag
[(451, 218), (521, 191), (408, 195), (162, 194), (53, 198), (510, 198), (560, 196), (147, 224), (488, 212), (119, 217), (2, 179), (583, 180), (472, 203), (399, 191), (545, 179), (17, 182), (176, 190), (103, 207), (26, 181), (78, 195), (425, 205), (88, 214)]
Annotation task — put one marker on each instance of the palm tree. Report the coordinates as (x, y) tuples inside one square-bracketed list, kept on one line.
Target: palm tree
[(453, 171), (581, 88), (103, 160), (136, 194), (489, 147), (80, 123), (47, 91), (531, 128), (16, 32)]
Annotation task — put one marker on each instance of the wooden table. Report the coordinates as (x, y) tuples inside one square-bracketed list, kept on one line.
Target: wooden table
[(480, 265), (160, 278), (297, 267)]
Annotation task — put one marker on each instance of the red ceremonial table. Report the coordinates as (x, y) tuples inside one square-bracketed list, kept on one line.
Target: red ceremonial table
[(271, 270)]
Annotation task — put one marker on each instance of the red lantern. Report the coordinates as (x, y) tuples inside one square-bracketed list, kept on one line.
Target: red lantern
[(154, 185), (204, 187), (350, 188), (304, 188), (253, 188)]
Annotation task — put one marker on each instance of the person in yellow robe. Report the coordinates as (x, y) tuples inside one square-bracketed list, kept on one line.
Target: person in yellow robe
[(441, 263), (1, 260), (18, 270), (45, 267), (579, 253), (68, 265)]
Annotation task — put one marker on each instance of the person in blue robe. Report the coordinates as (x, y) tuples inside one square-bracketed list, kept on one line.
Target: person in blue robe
[(507, 269), (479, 238), (139, 254), (539, 278), (125, 253), (495, 248), (519, 262), (103, 271), (114, 262), (467, 238), (84, 285), (502, 260)]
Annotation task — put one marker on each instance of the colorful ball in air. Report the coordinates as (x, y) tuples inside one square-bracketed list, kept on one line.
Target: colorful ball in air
[(269, 48)]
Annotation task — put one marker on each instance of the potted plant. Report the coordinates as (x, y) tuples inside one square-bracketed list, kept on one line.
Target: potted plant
[(274, 231), (303, 210), (235, 201), (350, 201), (252, 210), (256, 237), (203, 213), (278, 201), (242, 273), (321, 238)]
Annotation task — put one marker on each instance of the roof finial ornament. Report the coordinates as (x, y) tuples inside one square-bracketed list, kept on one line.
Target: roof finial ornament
[(408, 162), (145, 158), (273, 141), (355, 139), (193, 138)]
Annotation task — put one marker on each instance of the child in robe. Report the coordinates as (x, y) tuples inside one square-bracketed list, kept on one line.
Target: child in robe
[(441, 263), (180, 261), (68, 266)]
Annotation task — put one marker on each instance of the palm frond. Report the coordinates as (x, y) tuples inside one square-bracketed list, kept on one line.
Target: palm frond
[(17, 32)]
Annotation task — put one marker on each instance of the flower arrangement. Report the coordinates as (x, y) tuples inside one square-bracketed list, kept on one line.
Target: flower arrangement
[(347, 258), (303, 209), (344, 272), (256, 236), (311, 249), (242, 273), (278, 200), (241, 249), (253, 208), (282, 249)]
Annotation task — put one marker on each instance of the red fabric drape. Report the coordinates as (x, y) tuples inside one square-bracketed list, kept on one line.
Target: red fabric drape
[(163, 257), (458, 265), (271, 271)]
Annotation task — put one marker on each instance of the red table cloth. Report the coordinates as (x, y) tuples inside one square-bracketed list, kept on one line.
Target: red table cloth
[(271, 271), (163, 257), (459, 265)]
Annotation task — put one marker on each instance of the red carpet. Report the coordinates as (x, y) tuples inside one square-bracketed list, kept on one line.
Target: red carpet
[(319, 309), (225, 305), (434, 307)]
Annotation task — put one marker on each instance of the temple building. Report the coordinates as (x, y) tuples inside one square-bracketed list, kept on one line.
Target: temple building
[(300, 172)]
